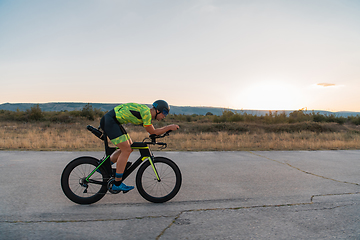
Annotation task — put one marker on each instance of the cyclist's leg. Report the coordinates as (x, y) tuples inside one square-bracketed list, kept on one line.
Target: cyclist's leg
[(125, 151), (114, 131), (114, 157), (123, 156), (123, 142)]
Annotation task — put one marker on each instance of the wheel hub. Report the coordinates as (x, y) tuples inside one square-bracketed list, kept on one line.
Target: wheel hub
[(83, 183)]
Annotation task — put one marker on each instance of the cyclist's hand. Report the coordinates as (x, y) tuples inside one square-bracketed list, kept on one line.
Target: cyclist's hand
[(173, 127)]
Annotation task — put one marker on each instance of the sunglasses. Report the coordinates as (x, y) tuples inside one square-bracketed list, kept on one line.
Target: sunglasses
[(165, 112)]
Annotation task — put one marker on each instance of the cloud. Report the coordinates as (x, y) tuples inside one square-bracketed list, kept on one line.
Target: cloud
[(326, 84)]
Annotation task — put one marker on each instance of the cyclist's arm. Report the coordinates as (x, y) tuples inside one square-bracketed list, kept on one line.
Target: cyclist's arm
[(158, 131)]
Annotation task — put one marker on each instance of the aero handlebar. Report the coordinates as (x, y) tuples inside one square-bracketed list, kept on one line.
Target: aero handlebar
[(152, 137)]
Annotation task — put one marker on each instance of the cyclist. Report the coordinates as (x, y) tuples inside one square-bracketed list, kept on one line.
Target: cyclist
[(137, 114)]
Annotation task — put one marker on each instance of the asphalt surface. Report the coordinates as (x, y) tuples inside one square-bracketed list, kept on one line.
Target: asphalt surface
[(224, 195)]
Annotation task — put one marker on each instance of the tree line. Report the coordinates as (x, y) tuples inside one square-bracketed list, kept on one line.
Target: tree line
[(89, 113), (36, 114)]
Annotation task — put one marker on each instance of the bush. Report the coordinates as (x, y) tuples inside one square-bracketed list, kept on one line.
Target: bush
[(229, 116), (61, 117), (354, 120), (329, 118), (299, 116), (319, 118), (90, 113), (340, 120), (35, 113)]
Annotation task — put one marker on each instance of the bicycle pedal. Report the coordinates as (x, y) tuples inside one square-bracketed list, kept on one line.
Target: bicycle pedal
[(114, 191), (125, 191)]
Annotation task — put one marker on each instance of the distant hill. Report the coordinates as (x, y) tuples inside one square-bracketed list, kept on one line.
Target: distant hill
[(71, 106), (186, 110)]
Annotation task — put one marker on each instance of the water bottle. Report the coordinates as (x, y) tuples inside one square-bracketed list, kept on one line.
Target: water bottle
[(95, 131)]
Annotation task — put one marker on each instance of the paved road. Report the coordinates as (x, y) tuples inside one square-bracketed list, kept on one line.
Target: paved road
[(225, 195)]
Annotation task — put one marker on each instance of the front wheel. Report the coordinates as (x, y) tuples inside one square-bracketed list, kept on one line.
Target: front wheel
[(154, 190)]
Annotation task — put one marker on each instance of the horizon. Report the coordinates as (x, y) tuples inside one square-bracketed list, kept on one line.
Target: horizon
[(261, 110), (263, 55)]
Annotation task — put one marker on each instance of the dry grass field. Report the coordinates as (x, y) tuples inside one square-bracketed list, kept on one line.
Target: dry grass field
[(74, 137)]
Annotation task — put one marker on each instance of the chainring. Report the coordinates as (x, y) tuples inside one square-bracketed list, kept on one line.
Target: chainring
[(110, 184)]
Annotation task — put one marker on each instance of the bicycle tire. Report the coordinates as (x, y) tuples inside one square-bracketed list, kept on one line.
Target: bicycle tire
[(153, 190), (74, 174)]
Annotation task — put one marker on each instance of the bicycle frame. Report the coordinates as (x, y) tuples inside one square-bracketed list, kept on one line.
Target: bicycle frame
[(143, 147), (145, 154)]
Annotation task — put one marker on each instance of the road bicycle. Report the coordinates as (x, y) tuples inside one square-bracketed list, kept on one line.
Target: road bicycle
[(86, 180)]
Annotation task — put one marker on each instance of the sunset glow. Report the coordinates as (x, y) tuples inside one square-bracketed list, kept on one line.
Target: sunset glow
[(269, 95), (267, 55)]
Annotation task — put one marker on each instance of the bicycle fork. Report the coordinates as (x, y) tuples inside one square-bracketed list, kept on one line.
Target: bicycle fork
[(153, 166)]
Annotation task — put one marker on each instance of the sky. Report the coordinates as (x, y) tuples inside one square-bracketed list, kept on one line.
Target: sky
[(241, 54)]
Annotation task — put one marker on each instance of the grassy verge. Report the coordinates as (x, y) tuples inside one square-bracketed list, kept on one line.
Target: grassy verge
[(190, 137)]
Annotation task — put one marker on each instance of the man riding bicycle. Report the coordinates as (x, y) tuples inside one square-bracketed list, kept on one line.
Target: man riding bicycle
[(137, 114)]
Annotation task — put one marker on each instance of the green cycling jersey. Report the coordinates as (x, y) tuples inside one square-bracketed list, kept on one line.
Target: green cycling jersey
[(133, 113)]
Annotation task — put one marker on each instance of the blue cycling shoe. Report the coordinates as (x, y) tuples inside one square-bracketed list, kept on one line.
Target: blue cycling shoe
[(122, 187)]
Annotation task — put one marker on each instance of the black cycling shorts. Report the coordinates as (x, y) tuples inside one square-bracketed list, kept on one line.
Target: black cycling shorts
[(113, 129)]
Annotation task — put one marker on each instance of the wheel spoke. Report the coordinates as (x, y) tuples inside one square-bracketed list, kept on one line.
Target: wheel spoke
[(78, 175)]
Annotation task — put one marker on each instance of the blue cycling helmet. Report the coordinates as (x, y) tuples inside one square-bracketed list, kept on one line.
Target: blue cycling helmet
[(162, 106)]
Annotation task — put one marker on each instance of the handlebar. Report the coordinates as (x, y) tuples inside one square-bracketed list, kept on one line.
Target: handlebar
[(153, 138)]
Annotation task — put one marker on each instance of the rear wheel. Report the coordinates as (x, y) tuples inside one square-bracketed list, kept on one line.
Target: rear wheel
[(163, 190), (76, 188)]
